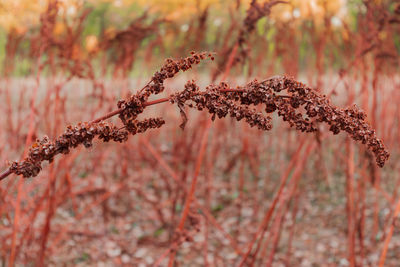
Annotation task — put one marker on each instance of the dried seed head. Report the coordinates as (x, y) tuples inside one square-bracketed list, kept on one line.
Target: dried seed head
[(82, 133), (318, 108), (170, 68), (303, 108), (217, 104)]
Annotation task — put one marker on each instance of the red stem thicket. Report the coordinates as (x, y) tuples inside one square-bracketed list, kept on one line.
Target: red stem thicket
[(301, 106)]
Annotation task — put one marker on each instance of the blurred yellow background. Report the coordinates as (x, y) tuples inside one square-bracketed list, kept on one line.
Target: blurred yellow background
[(18, 15)]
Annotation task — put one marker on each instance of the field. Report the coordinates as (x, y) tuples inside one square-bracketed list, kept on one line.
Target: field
[(200, 133)]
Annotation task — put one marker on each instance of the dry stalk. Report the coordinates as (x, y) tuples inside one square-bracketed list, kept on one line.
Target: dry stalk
[(301, 106)]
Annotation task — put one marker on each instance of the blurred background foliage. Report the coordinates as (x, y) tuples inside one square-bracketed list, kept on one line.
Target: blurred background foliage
[(307, 21)]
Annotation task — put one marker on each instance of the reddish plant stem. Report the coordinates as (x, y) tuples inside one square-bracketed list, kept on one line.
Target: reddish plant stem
[(116, 112), (264, 224), (362, 208), (350, 204), (6, 173), (292, 187), (191, 197), (203, 209), (277, 230), (31, 130), (389, 234), (87, 209), (51, 209), (292, 228)]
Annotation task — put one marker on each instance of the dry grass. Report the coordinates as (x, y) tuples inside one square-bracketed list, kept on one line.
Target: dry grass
[(217, 192)]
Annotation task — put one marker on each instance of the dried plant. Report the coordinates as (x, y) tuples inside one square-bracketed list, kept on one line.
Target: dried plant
[(13, 41), (302, 107), (65, 47), (126, 42), (83, 133), (163, 176), (254, 13)]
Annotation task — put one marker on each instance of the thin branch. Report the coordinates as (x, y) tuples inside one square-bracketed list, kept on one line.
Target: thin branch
[(217, 100)]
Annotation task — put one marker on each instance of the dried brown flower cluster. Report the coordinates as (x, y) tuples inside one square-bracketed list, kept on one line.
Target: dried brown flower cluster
[(129, 109), (301, 106), (135, 104), (170, 69), (214, 99), (83, 133)]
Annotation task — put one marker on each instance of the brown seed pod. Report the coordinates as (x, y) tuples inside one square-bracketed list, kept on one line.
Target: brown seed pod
[(318, 108), (82, 133), (301, 106)]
